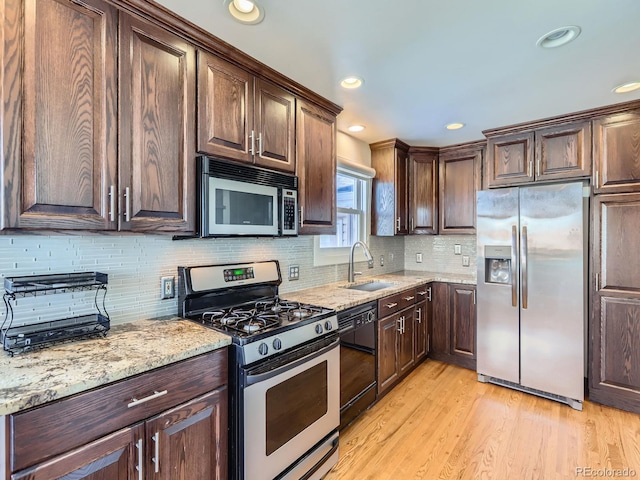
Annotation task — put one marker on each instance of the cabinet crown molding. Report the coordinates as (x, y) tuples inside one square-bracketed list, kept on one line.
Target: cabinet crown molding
[(391, 143)]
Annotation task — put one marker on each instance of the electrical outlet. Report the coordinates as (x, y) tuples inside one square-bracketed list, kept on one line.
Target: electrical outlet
[(382, 260), (465, 260), (294, 272), (167, 288), (457, 249), (418, 258)]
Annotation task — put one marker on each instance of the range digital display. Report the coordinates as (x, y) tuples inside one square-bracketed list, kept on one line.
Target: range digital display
[(235, 274)]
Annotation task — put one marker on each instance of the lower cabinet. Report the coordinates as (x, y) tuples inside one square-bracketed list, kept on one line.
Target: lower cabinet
[(402, 334), (170, 423), (453, 325)]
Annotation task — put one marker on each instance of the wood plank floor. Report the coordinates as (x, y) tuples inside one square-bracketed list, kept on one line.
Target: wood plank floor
[(441, 423)]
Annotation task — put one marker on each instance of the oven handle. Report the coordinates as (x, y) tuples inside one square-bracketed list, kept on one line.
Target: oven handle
[(279, 368)]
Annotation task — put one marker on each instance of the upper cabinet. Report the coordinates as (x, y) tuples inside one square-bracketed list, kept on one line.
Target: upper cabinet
[(244, 117), (390, 159), (557, 152), (423, 190), (77, 157), (460, 169), (316, 169), (60, 137), (616, 151), (157, 131)]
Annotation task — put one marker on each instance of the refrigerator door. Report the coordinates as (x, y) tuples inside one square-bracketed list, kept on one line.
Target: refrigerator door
[(497, 300), (552, 280)]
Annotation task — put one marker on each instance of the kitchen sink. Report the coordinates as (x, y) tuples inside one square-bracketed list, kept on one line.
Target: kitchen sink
[(371, 286)]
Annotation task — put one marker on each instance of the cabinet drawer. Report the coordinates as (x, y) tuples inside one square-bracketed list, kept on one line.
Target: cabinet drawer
[(393, 303), (46, 431)]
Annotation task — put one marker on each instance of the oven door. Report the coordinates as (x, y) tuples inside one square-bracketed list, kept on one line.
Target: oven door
[(290, 405), (240, 208)]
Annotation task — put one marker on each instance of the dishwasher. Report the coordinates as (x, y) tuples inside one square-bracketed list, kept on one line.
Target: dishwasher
[(357, 327)]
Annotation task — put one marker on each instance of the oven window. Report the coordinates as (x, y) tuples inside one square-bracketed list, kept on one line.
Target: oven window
[(295, 404), (242, 208)]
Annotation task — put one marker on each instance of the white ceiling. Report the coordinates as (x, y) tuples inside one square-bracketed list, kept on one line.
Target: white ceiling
[(430, 62)]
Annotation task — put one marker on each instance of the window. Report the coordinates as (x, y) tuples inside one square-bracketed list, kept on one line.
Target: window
[(353, 187)]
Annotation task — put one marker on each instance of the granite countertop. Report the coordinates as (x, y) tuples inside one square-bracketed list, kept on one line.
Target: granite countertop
[(34, 378), (335, 296)]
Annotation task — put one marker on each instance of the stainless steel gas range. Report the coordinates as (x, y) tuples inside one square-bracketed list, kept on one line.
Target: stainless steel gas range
[(284, 369)]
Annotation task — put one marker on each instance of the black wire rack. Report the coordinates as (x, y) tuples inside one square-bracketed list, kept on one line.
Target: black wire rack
[(16, 339)]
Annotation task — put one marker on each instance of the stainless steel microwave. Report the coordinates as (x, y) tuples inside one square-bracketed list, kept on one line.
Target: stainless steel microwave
[(244, 200)]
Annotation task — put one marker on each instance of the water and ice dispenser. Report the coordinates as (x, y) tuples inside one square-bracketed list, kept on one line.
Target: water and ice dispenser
[(497, 266)]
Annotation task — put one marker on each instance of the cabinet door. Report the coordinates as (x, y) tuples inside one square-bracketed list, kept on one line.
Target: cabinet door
[(423, 193), (59, 117), (115, 457), (462, 309), (406, 341), (190, 441), (616, 153), (615, 321), (157, 114), (563, 151), (387, 351), (510, 159), (274, 127), (460, 178), (440, 325), (225, 108), (421, 321), (402, 192), (316, 169)]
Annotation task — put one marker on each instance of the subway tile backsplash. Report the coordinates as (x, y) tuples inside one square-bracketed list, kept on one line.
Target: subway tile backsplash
[(135, 264)]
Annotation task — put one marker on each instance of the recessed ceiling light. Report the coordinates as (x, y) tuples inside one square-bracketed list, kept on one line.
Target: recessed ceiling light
[(356, 128), (454, 126), (352, 82), (245, 11), (626, 87), (559, 36)]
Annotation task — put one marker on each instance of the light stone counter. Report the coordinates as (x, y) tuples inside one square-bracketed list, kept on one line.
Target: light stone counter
[(37, 377), (335, 296)]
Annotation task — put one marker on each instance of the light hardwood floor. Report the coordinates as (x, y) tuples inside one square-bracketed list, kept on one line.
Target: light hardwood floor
[(441, 423)]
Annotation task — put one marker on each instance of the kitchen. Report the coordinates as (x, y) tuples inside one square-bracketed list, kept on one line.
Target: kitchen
[(135, 263)]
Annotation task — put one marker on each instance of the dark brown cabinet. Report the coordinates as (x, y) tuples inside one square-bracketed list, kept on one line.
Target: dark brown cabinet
[(422, 320), (170, 423), (390, 159), (387, 352), (316, 169), (453, 326), (60, 130), (243, 117), (460, 170), (99, 128), (616, 152), (157, 131), (614, 377), (423, 190), (556, 152)]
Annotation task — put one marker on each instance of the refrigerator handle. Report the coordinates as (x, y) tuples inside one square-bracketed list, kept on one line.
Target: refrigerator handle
[(514, 278), (524, 268)]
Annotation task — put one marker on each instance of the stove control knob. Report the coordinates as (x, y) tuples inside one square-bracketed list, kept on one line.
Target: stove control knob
[(263, 349), (277, 344), (328, 326), (319, 329)]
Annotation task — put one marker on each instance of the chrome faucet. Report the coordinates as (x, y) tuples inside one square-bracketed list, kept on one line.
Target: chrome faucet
[(367, 253)]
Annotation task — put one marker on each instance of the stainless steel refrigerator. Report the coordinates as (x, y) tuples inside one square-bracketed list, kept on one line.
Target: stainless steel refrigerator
[(531, 302)]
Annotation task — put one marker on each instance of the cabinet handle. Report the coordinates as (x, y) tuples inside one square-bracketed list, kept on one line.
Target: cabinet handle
[(252, 143), (597, 282), (474, 297), (112, 203), (419, 315), (127, 204), (538, 166), (597, 179), (411, 224), (156, 459), (260, 144), (301, 215), (423, 293), (398, 224), (134, 401), (408, 299), (531, 167), (401, 325), (391, 305), (139, 465), (429, 290)]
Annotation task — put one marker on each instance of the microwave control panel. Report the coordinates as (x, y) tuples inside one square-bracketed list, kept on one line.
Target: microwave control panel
[(289, 211)]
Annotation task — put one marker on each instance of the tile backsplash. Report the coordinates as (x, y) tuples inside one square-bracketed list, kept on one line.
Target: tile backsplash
[(438, 253), (135, 264)]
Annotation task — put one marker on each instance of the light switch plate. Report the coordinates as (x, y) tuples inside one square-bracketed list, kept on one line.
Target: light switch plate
[(457, 249), (418, 258), (465, 260)]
